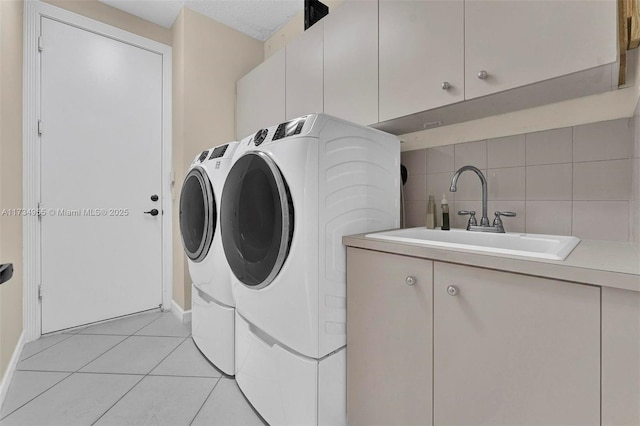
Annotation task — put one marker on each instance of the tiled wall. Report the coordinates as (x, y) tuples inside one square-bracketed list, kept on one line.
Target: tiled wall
[(580, 180)]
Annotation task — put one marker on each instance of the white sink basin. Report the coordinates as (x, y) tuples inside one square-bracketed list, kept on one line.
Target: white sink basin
[(554, 247)]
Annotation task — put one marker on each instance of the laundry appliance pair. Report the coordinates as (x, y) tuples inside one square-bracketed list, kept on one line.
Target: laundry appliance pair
[(293, 191), (212, 304)]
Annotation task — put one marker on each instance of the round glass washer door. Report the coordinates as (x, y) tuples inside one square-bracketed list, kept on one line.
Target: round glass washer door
[(197, 214), (256, 219)]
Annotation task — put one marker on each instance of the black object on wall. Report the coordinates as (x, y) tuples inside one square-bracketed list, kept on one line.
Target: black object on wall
[(6, 272), (314, 11)]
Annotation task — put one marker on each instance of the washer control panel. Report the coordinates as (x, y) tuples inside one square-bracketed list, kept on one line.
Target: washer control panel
[(290, 128), (203, 156), (218, 152)]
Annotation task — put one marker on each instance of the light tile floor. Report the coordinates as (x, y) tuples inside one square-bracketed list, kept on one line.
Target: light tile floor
[(140, 370)]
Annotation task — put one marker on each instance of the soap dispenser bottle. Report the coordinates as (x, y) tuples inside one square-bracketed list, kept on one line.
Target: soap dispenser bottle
[(445, 213), (431, 213)]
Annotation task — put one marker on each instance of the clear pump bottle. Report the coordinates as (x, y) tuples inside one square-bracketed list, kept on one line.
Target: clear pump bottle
[(431, 213)]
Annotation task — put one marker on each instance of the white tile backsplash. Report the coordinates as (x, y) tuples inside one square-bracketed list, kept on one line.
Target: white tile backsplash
[(415, 162), (506, 152), (605, 140), (440, 159), (549, 217), (549, 147), (471, 153), (582, 180), (415, 189), (602, 180), (438, 184), (507, 184), (549, 182), (415, 213), (601, 220)]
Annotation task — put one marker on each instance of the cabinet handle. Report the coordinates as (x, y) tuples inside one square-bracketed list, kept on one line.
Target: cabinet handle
[(452, 290), (482, 75), (445, 85), (410, 280)]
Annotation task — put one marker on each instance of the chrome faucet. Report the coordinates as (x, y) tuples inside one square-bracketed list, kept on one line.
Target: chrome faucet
[(472, 225)]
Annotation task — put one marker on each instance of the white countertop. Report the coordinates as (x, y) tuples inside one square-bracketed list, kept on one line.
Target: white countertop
[(602, 263)]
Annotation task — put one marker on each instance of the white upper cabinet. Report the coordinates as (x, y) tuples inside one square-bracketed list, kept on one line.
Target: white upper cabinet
[(304, 76), (421, 55), (260, 96), (513, 43), (351, 62)]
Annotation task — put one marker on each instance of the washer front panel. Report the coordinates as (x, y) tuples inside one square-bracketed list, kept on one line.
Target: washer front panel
[(256, 219), (197, 214)]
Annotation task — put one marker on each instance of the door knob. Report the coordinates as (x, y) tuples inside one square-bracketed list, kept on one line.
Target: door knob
[(410, 280), (153, 212), (452, 290)]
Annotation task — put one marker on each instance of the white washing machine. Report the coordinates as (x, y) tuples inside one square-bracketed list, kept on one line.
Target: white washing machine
[(294, 190), (213, 307)]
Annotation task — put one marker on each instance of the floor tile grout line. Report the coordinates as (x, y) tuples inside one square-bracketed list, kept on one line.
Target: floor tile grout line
[(205, 401), (48, 347), (71, 373), (148, 324), (132, 335), (127, 338), (118, 400), (112, 347), (44, 391), (166, 356), (138, 382)]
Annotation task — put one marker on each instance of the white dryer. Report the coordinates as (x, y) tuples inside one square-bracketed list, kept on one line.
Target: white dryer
[(213, 307), (294, 190)]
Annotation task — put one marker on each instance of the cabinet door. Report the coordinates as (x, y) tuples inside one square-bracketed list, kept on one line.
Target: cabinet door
[(351, 62), (421, 49), (304, 92), (620, 357), (521, 42), (388, 339), (260, 97), (514, 350)]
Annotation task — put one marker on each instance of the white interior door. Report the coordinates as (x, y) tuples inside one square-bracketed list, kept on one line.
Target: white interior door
[(101, 154)]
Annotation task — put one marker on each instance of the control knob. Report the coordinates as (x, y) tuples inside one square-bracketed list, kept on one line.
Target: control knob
[(260, 136)]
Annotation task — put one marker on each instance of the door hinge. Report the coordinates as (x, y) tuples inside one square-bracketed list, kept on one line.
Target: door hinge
[(39, 210), (40, 292), (40, 44), (40, 127)]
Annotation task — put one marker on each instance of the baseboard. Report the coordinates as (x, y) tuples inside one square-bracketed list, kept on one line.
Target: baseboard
[(181, 314), (6, 379)]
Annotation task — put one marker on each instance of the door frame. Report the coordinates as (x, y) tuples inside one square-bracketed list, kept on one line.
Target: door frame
[(33, 12)]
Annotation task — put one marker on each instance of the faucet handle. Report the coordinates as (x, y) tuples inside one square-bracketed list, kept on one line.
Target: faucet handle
[(497, 222), (472, 217), (506, 214)]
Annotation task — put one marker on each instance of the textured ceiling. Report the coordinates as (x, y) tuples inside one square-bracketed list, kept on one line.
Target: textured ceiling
[(257, 18)]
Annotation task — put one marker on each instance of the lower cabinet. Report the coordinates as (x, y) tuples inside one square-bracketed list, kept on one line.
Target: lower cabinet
[(511, 349), (436, 343), (620, 357), (389, 368)]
